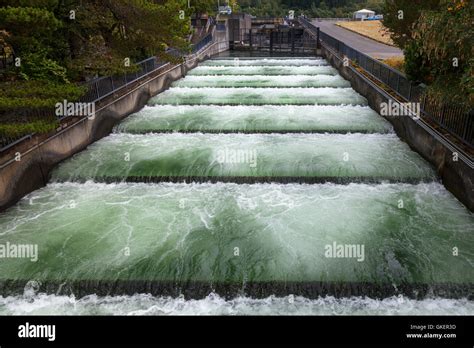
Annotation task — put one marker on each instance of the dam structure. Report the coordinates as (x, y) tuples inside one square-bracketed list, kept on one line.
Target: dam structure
[(249, 182)]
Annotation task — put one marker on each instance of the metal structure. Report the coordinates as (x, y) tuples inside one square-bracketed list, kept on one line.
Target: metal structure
[(277, 40), (452, 118)]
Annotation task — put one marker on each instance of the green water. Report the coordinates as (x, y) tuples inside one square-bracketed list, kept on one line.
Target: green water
[(220, 236), (265, 62), (263, 70), (179, 232), (262, 81), (212, 118), (258, 96), (356, 156)]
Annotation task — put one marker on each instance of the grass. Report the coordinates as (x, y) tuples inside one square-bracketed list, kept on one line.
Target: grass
[(36, 94), (28, 106), (396, 63), (371, 29), (17, 130)]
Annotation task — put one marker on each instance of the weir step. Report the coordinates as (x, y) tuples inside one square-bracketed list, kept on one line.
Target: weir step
[(252, 177)]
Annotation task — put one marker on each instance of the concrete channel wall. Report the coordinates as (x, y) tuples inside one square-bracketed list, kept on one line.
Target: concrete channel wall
[(30, 170), (456, 174)]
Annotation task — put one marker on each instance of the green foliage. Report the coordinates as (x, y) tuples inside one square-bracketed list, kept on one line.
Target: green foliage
[(437, 41), (204, 6), (401, 15), (414, 63), (444, 38), (16, 130), (58, 41), (73, 39), (36, 66), (36, 94), (41, 89), (311, 8), (28, 20)]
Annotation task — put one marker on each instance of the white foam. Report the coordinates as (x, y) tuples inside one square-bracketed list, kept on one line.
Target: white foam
[(264, 62), (144, 304)]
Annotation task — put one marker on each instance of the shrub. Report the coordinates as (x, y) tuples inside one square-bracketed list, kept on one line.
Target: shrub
[(16, 130)]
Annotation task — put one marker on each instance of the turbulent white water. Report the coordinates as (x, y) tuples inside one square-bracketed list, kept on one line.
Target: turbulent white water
[(144, 304), (357, 156), (244, 118), (186, 234), (236, 62), (264, 70), (259, 96), (262, 81)]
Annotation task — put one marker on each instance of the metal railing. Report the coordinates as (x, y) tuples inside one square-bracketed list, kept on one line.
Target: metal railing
[(334, 19), (103, 87), (449, 117), (278, 40), (203, 43), (11, 141)]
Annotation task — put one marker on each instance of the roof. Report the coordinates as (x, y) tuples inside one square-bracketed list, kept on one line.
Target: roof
[(365, 11)]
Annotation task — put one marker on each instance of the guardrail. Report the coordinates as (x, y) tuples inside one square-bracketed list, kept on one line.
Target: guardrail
[(105, 86), (201, 44), (101, 88), (449, 117), (334, 19)]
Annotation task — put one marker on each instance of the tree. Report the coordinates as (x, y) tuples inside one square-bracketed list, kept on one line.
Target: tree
[(201, 7), (91, 37), (59, 42), (443, 55), (400, 16)]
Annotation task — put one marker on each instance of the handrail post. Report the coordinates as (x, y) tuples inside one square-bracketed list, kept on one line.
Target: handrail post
[(318, 42), (292, 30), (271, 40), (97, 90)]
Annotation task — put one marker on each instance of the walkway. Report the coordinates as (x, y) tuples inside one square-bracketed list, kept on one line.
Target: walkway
[(361, 43)]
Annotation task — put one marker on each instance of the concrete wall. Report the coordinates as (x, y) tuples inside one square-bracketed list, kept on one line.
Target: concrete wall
[(31, 171), (456, 175)]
